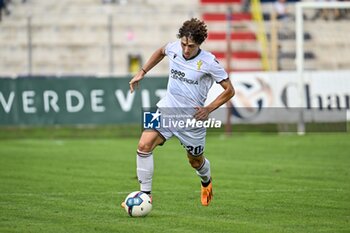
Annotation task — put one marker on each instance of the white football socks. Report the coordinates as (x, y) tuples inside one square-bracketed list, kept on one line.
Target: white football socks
[(204, 171), (144, 162)]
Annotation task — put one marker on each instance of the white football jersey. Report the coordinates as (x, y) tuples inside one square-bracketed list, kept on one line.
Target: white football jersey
[(190, 80)]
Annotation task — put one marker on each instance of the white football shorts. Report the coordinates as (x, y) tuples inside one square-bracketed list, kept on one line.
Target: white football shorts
[(192, 138)]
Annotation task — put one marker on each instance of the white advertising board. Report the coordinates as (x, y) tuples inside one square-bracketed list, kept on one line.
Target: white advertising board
[(274, 97)]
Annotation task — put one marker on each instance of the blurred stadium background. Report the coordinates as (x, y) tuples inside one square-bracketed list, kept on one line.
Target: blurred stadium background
[(101, 37)]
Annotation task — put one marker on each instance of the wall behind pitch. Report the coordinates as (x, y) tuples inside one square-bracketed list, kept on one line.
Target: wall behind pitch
[(264, 97), (275, 97), (66, 101)]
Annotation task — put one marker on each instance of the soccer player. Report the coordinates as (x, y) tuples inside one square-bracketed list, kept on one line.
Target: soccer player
[(192, 72)]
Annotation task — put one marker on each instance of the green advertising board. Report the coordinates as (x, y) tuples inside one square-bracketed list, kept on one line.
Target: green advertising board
[(68, 101)]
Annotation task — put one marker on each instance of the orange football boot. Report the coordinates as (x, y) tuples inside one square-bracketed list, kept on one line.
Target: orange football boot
[(206, 194)]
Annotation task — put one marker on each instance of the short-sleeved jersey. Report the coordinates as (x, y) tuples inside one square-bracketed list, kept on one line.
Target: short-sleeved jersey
[(190, 80)]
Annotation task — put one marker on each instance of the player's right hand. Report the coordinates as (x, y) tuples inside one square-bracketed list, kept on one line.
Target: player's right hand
[(134, 82)]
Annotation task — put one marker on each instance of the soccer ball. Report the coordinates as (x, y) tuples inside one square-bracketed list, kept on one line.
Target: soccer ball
[(138, 204)]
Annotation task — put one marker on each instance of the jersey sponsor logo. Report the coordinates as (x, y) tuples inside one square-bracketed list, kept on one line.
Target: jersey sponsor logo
[(199, 64), (179, 75)]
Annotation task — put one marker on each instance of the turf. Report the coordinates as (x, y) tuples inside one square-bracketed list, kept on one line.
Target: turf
[(262, 183)]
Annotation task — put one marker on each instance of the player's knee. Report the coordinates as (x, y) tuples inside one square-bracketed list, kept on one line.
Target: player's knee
[(195, 163), (144, 147)]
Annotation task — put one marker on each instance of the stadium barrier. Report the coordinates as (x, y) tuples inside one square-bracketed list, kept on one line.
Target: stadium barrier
[(274, 97), (261, 97), (70, 101)]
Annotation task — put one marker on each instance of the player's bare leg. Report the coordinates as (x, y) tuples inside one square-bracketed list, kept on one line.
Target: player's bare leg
[(202, 166), (144, 159)]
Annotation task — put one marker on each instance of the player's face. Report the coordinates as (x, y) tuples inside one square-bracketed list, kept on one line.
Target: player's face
[(189, 47)]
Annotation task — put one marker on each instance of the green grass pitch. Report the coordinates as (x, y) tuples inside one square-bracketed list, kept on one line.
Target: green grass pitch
[(262, 183)]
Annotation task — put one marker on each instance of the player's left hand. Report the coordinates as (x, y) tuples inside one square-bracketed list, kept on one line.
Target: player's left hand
[(201, 114)]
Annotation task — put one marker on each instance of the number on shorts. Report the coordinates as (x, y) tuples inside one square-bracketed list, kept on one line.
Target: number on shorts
[(195, 150)]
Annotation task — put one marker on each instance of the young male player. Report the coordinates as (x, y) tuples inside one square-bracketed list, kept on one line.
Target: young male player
[(192, 72)]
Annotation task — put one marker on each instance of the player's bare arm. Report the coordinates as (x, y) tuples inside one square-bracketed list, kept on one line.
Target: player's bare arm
[(202, 113), (156, 57)]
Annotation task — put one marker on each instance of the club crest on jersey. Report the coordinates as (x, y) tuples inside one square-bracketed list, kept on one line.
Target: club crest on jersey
[(199, 64)]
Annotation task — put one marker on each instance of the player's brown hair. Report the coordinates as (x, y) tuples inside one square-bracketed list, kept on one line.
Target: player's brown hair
[(194, 29)]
